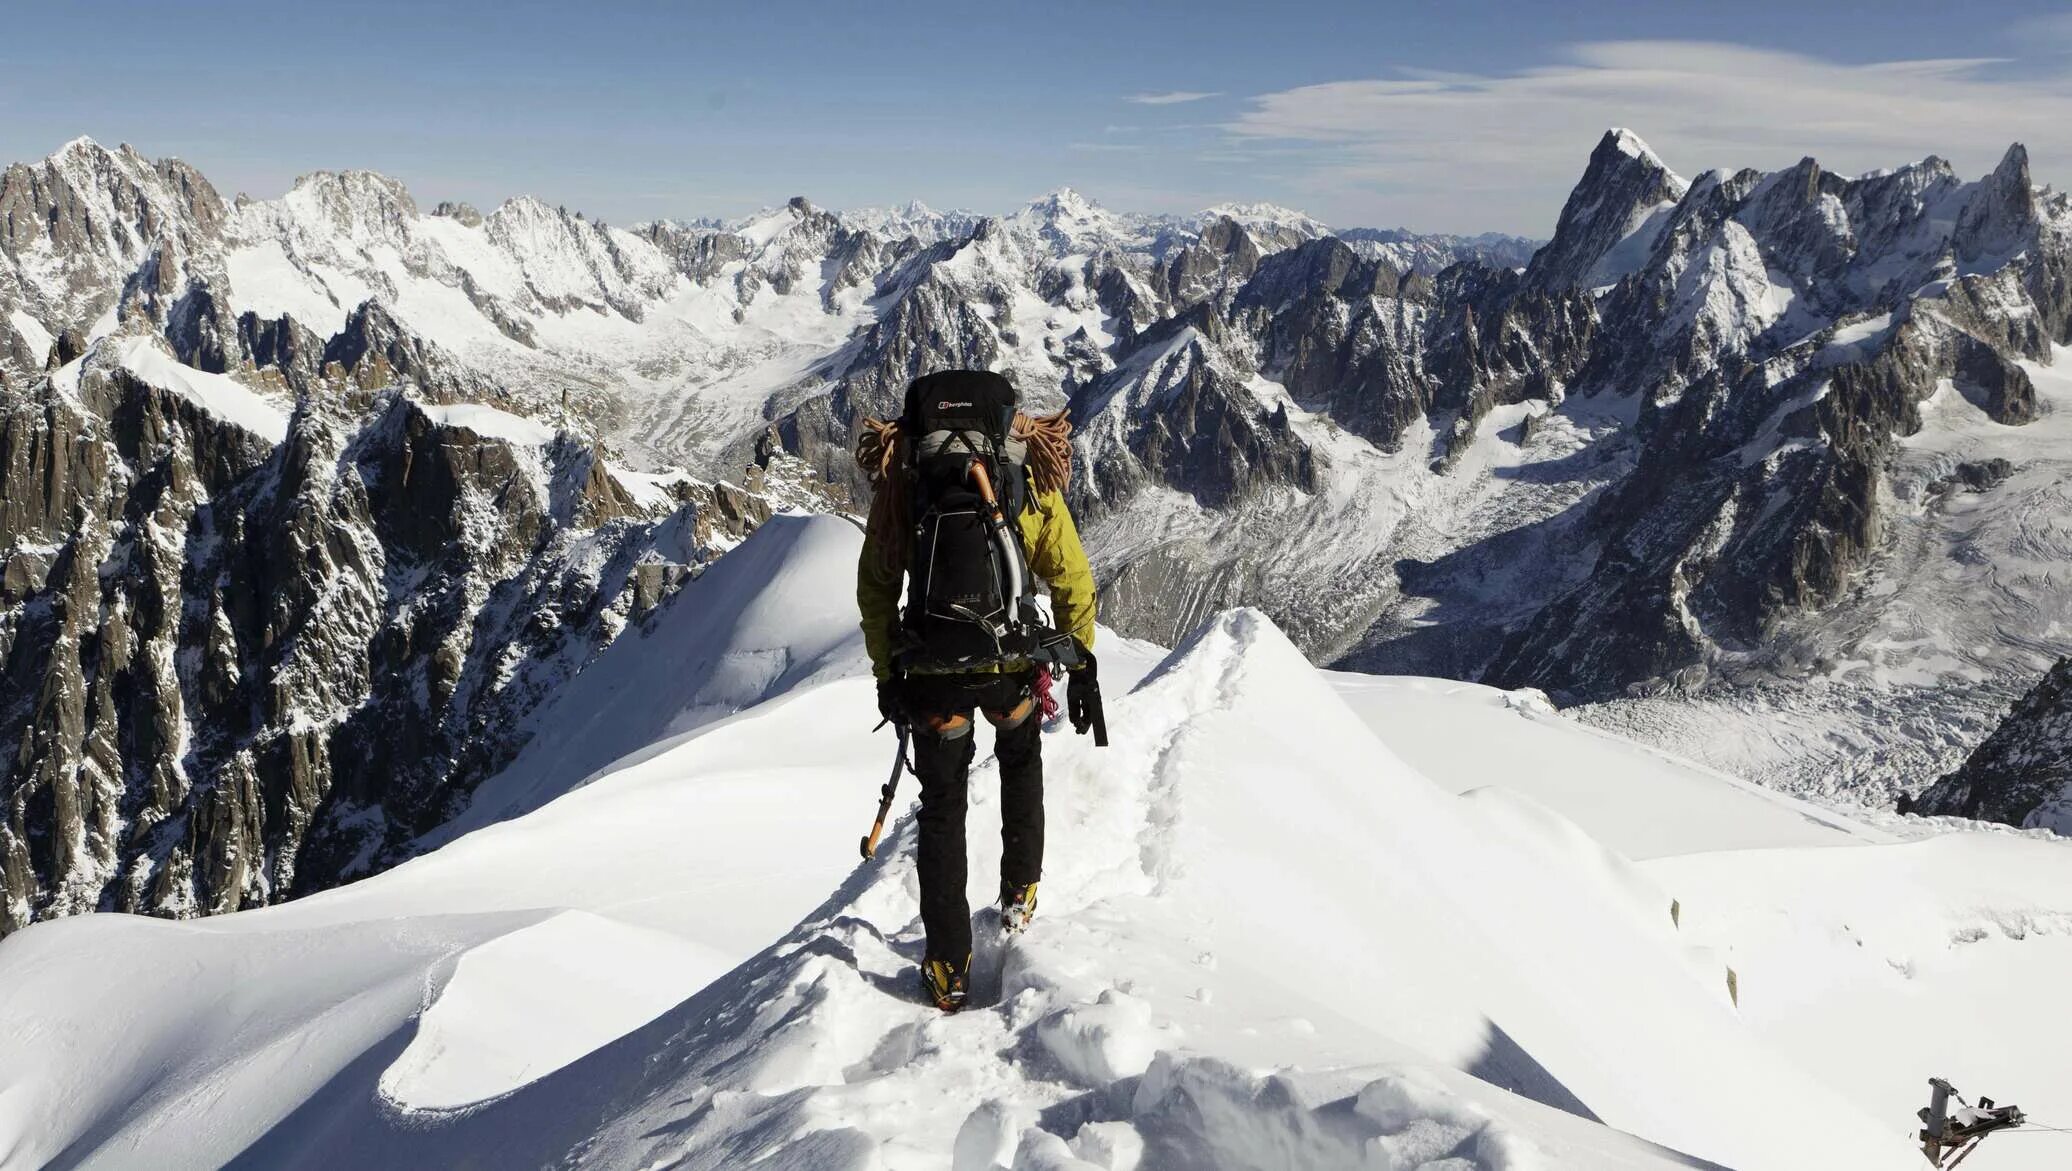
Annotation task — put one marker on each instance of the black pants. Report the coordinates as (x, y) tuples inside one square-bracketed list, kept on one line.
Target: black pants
[(943, 760)]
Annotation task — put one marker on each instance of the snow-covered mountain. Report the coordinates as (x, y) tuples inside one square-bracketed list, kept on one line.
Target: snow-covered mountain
[(676, 339), (254, 642), (1291, 918), (303, 508), (1740, 460)]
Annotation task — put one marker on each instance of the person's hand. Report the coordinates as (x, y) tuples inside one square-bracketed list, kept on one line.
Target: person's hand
[(1083, 694), (892, 700)]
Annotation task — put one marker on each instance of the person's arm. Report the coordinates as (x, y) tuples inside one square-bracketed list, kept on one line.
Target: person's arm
[(877, 598), (1060, 561)]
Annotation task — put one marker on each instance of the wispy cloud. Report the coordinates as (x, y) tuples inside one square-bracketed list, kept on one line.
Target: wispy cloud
[(1455, 151), (1104, 147), (1172, 98)]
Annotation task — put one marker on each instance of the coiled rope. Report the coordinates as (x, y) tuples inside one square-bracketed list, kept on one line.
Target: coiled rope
[(881, 451)]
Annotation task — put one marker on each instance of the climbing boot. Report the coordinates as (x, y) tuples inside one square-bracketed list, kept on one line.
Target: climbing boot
[(943, 982), (1017, 906)]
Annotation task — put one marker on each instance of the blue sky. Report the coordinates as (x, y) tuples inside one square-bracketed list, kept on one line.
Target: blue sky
[(1443, 117)]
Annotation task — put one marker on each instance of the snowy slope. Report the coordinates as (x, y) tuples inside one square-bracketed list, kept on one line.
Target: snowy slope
[(1638, 800), (1869, 968), (1290, 918), (222, 397)]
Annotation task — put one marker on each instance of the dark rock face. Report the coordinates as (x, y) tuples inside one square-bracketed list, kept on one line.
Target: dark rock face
[(373, 351), (1999, 387), (2022, 774), (1975, 476), (238, 671), (1201, 429), (1710, 539), (463, 212)]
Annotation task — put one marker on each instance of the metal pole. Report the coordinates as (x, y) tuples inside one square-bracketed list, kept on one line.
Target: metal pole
[(870, 840), (1937, 1118)]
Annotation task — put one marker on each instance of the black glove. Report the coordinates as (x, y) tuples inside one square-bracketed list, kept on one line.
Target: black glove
[(892, 700), (1083, 694)]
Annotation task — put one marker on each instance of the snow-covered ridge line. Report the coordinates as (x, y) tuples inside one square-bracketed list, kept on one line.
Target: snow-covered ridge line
[(1523, 997), (220, 396), (489, 421)]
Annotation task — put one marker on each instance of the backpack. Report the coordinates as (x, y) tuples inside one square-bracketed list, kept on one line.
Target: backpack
[(970, 598)]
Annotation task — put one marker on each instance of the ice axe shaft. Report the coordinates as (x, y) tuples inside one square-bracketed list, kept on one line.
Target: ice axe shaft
[(870, 840)]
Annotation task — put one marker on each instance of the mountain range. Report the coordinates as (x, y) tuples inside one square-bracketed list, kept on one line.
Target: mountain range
[(309, 502)]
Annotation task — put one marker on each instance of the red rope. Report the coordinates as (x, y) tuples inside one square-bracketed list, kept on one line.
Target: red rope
[(1048, 701)]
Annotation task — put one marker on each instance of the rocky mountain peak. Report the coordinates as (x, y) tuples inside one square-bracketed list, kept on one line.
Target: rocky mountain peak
[(2002, 214), (124, 187), (1630, 144), (2012, 173), (87, 163), (363, 207), (1065, 222), (82, 146), (465, 213), (1064, 203), (1603, 232), (79, 226)]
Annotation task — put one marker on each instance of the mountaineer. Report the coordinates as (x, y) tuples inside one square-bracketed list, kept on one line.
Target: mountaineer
[(967, 504)]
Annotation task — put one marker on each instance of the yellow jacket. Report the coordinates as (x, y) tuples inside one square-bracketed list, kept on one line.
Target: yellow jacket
[(1050, 540)]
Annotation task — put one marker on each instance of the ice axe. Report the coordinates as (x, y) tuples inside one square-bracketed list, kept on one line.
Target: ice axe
[(870, 840)]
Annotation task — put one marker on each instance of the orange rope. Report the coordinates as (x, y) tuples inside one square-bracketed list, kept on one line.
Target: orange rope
[(881, 450), (1050, 448)]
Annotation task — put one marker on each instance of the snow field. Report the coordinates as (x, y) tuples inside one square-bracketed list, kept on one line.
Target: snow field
[(489, 422), (1277, 929), (1106, 1013)]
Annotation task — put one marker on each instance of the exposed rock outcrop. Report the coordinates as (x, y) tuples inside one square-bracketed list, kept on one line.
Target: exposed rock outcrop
[(239, 669), (2022, 774)]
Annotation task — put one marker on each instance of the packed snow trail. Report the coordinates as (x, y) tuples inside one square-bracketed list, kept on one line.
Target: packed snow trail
[(1265, 941), (1249, 882)]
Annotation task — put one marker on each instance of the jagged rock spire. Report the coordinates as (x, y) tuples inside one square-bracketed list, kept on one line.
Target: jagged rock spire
[(1624, 185)]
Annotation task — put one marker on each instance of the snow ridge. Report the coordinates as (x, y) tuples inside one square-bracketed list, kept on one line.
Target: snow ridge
[(1525, 1000)]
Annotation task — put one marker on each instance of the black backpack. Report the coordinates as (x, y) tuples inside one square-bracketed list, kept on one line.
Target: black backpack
[(970, 600)]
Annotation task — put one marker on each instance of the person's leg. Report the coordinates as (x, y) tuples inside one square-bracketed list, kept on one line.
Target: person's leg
[(944, 765), (1019, 748)]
